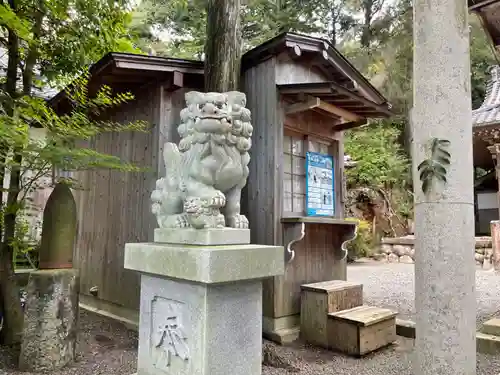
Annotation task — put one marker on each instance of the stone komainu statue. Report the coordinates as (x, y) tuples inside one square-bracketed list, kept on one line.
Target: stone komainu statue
[(205, 174)]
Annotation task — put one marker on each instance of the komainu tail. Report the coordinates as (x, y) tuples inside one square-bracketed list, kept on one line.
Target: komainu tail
[(172, 159)]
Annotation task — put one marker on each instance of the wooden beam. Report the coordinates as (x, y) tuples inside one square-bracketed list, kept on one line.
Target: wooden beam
[(342, 113), (156, 68), (310, 103), (480, 4), (349, 125), (367, 102)]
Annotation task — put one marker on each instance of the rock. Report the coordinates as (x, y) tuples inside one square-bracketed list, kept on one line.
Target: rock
[(479, 258), (480, 250), (386, 249), (399, 250), (483, 242), (393, 258), (380, 257), (406, 240), (50, 320), (271, 358), (412, 253), (406, 259), (407, 250)]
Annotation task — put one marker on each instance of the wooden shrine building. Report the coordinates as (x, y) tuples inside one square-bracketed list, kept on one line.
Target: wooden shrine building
[(303, 94)]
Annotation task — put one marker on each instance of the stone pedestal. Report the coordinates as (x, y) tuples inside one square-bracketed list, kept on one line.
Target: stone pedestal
[(201, 306), (50, 320)]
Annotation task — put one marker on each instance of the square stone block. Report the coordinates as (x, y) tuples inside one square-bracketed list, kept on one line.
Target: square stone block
[(205, 264), (189, 328), (206, 237), (320, 299)]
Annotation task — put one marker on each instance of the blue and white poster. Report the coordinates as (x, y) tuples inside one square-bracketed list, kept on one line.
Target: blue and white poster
[(320, 197)]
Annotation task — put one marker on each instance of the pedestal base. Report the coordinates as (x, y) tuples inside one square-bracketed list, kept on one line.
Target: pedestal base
[(189, 328), (284, 330), (207, 237), (201, 307)]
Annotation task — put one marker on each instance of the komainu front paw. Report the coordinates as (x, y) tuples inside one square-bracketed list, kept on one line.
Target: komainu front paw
[(177, 221), (237, 221), (218, 201)]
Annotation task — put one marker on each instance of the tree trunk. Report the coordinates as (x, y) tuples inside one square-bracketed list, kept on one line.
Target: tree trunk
[(223, 46), (11, 332), (366, 33), (11, 307), (445, 280)]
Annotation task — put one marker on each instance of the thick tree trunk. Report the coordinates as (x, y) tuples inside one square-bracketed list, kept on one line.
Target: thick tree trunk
[(223, 46), (11, 308)]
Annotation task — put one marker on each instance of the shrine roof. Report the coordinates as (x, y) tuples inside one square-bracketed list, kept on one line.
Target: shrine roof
[(489, 111), (320, 53), (341, 84)]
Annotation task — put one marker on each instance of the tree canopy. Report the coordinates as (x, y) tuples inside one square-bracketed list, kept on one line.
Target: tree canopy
[(50, 43)]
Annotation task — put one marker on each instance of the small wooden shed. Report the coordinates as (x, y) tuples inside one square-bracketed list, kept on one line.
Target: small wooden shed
[(303, 94)]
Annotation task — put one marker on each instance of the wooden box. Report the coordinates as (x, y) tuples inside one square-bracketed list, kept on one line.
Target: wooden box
[(361, 330), (320, 299)]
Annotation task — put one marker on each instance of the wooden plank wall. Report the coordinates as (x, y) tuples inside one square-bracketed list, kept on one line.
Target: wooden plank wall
[(114, 208), (315, 261), (262, 198), (289, 71)]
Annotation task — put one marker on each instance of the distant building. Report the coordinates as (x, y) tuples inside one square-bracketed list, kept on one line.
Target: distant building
[(486, 145)]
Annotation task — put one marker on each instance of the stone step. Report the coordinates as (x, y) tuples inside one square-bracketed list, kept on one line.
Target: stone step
[(492, 327), (320, 299), (487, 344), (361, 330)]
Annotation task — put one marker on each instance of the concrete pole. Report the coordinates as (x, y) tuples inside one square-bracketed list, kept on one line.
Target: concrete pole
[(444, 218)]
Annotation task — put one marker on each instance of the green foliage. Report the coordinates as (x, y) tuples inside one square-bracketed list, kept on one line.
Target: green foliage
[(185, 23), (65, 36), (435, 167), (362, 246), (22, 243), (380, 161), (61, 149), (482, 58)]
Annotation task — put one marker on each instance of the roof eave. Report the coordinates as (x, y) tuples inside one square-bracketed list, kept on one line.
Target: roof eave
[(137, 62), (316, 45)]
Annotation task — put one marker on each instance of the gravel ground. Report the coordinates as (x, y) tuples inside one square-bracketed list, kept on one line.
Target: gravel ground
[(391, 285), (105, 347), (395, 360)]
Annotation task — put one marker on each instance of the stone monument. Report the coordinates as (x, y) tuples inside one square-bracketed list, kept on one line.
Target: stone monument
[(51, 312), (201, 279)]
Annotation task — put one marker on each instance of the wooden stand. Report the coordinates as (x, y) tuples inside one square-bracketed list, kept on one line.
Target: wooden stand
[(320, 299), (361, 330)]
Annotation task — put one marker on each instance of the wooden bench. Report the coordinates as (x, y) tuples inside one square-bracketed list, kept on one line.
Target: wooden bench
[(361, 330), (320, 299)]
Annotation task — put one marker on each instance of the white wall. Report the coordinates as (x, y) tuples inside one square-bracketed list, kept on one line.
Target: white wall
[(487, 200)]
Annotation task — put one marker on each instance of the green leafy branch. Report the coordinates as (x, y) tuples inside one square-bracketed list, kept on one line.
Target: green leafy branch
[(435, 168)]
